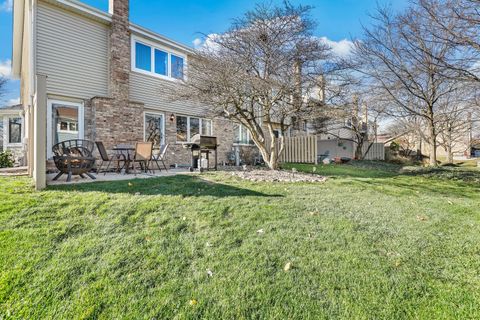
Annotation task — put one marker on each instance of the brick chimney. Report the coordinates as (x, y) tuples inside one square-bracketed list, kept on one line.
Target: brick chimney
[(119, 51), (116, 119)]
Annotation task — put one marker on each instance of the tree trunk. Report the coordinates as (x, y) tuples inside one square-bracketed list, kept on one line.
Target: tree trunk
[(358, 151), (270, 158), (449, 146), (449, 154), (432, 140)]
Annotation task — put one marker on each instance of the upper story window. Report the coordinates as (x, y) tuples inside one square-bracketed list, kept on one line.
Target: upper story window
[(157, 61), (161, 62), (143, 59), (177, 67)]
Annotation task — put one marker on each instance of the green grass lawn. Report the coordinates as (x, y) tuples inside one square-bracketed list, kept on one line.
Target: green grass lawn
[(373, 242)]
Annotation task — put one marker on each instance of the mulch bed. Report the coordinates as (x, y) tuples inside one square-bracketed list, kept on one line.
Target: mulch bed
[(277, 176)]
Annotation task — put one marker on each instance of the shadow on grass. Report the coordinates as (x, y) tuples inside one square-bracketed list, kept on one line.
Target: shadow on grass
[(433, 187), (179, 185), (447, 173), (357, 169)]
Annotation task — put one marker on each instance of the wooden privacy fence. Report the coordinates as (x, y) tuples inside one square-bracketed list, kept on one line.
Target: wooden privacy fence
[(376, 152), (302, 149), (305, 149)]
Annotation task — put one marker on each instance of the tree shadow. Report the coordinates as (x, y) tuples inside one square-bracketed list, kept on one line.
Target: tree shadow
[(438, 187), (455, 173), (178, 185)]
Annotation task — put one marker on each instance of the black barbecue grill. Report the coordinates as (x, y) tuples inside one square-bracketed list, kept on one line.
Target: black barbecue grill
[(201, 147)]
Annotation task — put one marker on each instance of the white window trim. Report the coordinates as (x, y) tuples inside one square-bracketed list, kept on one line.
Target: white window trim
[(188, 127), (81, 121), (6, 131), (153, 46), (145, 124), (249, 138)]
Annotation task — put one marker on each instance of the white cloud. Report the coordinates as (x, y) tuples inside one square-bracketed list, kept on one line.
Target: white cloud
[(207, 43), (197, 43), (12, 102), (340, 48), (6, 68), (6, 5)]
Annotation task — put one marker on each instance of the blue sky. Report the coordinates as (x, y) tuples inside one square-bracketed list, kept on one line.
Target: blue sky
[(186, 20)]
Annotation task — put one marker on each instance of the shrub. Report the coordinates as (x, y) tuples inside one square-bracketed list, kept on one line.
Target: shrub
[(6, 159)]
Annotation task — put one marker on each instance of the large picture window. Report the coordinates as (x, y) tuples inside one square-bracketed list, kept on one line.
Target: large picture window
[(15, 130), (189, 127), (154, 128), (157, 61)]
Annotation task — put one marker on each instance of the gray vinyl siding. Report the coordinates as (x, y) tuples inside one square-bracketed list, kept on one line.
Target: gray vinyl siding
[(155, 94), (73, 52)]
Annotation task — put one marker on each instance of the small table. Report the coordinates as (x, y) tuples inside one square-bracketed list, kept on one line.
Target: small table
[(127, 152)]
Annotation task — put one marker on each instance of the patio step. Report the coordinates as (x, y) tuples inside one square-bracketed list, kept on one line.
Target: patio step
[(15, 171)]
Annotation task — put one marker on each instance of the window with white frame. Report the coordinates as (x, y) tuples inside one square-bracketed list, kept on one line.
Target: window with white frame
[(14, 130), (189, 127), (157, 61), (242, 135), (154, 128)]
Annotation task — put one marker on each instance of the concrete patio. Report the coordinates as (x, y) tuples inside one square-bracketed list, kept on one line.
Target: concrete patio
[(112, 176)]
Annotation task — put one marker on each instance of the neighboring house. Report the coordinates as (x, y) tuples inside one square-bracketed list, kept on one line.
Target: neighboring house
[(95, 75), (11, 132)]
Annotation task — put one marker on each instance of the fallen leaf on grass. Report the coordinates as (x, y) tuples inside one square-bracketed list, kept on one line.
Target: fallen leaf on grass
[(287, 267), (260, 231), (193, 302), (422, 218), (209, 273)]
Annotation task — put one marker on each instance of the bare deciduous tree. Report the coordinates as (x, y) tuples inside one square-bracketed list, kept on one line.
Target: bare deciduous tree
[(3, 82), (458, 23), (260, 73), (402, 61)]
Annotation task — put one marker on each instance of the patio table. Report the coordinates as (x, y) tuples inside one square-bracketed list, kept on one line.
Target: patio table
[(127, 152)]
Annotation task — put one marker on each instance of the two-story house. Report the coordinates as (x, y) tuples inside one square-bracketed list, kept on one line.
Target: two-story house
[(95, 75)]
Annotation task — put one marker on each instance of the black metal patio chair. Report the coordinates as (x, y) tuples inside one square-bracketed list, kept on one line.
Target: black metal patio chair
[(105, 158)]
